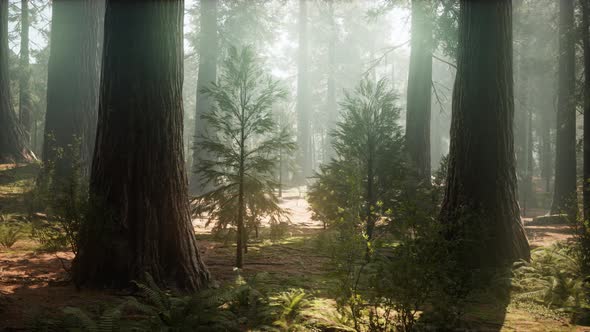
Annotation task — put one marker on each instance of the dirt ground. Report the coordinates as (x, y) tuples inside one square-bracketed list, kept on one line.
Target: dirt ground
[(32, 282)]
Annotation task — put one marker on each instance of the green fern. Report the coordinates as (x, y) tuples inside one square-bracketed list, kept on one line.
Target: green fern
[(553, 278), (291, 305), (9, 234), (109, 321), (165, 311)]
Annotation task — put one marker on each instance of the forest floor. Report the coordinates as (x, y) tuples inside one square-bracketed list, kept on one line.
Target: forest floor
[(35, 283)]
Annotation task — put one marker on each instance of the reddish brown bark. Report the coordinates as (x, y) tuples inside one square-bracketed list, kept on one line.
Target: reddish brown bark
[(12, 137), (480, 205), (419, 91), (72, 82), (208, 52), (141, 222), (564, 194)]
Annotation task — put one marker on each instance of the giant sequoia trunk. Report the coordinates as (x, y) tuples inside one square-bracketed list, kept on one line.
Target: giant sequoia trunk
[(25, 105), (419, 91), (72, 82), (564, 194), (586, 44), (208, 50), (302, 107), (480, 203), (12, 137), (138, 183)]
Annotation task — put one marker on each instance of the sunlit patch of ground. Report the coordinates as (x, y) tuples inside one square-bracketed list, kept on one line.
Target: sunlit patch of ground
[(293, 200)]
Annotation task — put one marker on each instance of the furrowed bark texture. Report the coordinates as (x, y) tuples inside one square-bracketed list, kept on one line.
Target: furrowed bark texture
[(208, 49), (481, 181), (138, 181), (12, 137), (73, 82), (564, 194), (25, 105), (419, 91)]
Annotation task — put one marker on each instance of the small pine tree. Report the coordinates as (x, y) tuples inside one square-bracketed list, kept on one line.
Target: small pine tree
[(370, 138), (243, 144)]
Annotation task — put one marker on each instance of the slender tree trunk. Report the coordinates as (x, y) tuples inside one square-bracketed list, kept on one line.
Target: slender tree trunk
[(564, 195), (480, 204), (13, 147), (370, 227), (586, 45), (545, 157), (280, 173), (73, 82), (530, 162), (419, 91), (208, 52), (303, 119), (241, 243), (331, 106), (25, 108), (141, 221), (392, 70)]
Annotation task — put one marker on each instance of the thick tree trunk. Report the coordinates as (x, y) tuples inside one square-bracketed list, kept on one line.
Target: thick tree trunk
[(25, 108), (13, 146), (72, 82), (208, 51), (141, 222), (480, 205), (419, 91), (303, 93), (586, 45), (564, 194)]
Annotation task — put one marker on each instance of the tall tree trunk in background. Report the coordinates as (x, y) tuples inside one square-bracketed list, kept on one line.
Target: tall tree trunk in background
[(524, 135), (25, 108), (419, 91), (141, 221), (545, 150), (564, 195), (530, 164), (208, 51), (480, 204), (331, 106), (73, 80), (303, 94), (586, 45), (13, 146)]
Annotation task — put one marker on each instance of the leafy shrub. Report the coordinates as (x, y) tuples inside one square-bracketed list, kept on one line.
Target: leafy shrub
[(246, 299), (62, 199), (278, 230), (50, 235)]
